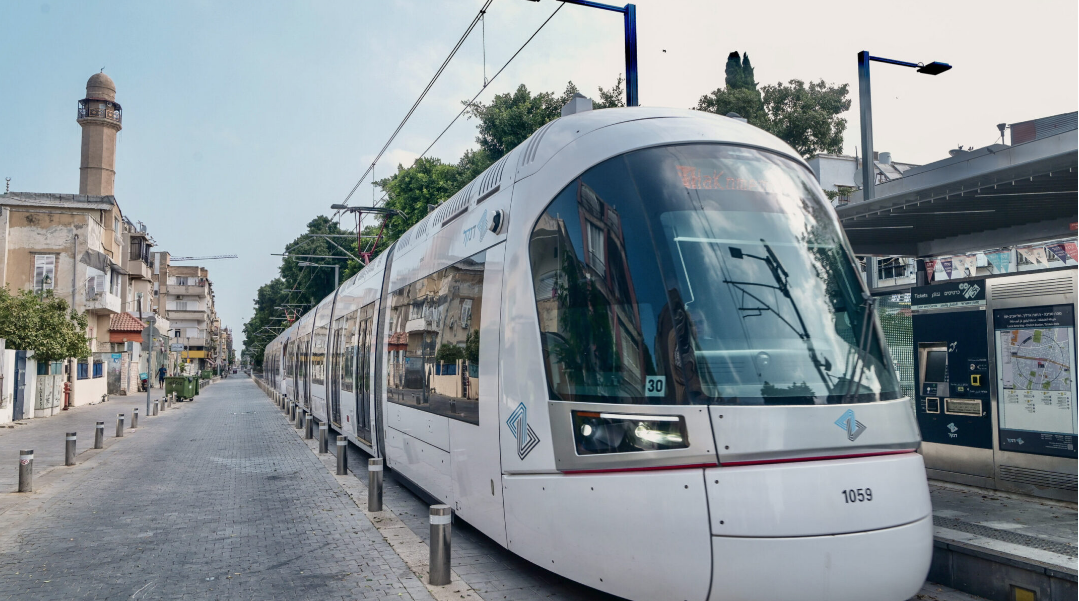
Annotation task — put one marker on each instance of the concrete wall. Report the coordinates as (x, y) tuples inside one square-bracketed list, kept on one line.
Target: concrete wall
[(7, 385)]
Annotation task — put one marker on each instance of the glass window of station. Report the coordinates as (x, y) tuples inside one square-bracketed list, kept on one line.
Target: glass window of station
[(702, 274)]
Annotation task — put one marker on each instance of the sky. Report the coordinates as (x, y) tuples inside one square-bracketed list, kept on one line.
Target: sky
[(245, 120)]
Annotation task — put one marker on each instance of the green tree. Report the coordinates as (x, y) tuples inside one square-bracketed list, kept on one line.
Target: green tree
[(806, 117), (42, 323), (733, 71)]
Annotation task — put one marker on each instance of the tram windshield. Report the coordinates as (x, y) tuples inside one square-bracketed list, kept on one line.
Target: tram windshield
[(702, 274)]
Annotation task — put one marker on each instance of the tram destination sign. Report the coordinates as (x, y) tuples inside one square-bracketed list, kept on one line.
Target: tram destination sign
[(949, 295)]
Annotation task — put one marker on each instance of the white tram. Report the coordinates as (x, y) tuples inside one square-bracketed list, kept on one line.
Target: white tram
[(636, 351)]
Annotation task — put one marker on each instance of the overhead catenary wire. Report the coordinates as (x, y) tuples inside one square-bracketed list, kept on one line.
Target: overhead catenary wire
[(487, 83), (482, 89), (430, 84)]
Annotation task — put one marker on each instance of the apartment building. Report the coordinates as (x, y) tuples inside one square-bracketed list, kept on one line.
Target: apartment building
[(186, 292)]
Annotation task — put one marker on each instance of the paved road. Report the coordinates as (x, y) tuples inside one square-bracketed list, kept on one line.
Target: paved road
[(219, 499)]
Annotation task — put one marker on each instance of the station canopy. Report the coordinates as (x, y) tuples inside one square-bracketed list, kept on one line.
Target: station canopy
[(985, 198)]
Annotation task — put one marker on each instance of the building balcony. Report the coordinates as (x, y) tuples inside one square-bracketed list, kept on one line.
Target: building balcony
[(175, 289), (190, 342), (136, 269), (93, 109), (102, 302), (197, 315)]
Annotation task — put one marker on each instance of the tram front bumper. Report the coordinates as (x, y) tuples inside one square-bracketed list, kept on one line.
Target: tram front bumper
[(887, 564)]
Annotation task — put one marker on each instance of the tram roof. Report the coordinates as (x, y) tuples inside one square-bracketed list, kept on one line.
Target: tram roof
[(993, 196)]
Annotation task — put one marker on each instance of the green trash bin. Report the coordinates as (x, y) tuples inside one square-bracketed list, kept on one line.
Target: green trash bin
[(194, 382), (183, 386)]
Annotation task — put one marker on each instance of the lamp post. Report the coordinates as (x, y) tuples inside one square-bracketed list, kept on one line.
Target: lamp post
[(629, 19), (336, 270), (866, 110)]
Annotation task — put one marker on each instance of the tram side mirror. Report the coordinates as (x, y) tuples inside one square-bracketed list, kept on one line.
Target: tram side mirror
[(736, 253)]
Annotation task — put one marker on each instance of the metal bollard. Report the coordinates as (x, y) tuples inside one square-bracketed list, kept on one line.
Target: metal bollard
[(323, 438), (26, 471), (135, 418), (374, 485), (99, 436), (284, 404), (342, 456), (119, 425), (300, 416), (309, 428), (441, 524), (155, 408), (69, 449)]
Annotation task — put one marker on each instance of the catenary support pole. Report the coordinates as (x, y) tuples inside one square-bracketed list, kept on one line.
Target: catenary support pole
[(374, 485), (69, 448), (631, 55), (99, 436), (26, 471), (865, 113), (342, 456), (441, 529)]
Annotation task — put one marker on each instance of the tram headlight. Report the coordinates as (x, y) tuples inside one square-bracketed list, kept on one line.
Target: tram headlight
[(595, 432)]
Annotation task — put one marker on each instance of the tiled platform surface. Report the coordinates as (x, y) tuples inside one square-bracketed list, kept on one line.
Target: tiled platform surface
[(988, 543)]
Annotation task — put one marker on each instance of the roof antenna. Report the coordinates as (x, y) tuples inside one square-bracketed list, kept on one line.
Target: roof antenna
[(7, 186)]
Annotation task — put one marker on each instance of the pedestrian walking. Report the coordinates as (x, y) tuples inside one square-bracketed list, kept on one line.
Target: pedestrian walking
[(161, 372)]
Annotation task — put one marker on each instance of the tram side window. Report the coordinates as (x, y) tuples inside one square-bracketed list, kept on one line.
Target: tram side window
[(433, 342), (344, 336), (318, 356)]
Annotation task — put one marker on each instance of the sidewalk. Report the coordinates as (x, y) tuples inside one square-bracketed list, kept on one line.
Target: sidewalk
[(45, 435), (988, 541)]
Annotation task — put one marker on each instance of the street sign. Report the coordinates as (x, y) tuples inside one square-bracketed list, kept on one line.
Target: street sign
[(176, 346)]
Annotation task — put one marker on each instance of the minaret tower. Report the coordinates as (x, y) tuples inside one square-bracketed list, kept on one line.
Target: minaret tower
[(100, 118)]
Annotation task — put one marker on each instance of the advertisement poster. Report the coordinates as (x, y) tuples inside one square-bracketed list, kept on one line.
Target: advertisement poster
[(1036, 389)]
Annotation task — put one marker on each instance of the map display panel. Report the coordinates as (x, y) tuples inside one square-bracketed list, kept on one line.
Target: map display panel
[(1036, 388)]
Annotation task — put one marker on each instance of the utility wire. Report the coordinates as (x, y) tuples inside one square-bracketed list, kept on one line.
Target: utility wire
[(473, 101), (423, 94)]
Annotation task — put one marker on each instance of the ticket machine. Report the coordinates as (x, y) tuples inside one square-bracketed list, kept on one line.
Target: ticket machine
[(952, 403), (995, 362)]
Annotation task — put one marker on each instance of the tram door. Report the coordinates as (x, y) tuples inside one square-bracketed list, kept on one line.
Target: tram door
[(363, 365), (333, 386), (474, 447)]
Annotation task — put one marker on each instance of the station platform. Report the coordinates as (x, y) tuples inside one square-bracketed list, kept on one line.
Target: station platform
[(1003, 546)]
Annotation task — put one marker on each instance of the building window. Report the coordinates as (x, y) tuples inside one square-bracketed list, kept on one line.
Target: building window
[(44, 272), (595, 249), (99, 368), (83, 370), (114, 282)]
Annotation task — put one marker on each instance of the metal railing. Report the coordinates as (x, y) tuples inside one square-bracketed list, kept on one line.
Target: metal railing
[(92, 108)]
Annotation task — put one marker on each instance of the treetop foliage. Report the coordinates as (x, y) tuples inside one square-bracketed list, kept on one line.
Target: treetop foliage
[(44, 324), (804, 116)]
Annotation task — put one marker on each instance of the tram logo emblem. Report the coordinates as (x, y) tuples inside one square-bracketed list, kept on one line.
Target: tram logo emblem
[(853, 427), (525, 435), (480, 228)]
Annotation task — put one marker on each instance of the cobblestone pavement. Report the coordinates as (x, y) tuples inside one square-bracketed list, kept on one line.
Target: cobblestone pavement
[(216, 499), (45, 435)]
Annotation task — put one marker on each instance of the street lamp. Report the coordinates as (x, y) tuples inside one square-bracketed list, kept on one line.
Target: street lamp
[(866, 109), (629, 14), (336, 270)]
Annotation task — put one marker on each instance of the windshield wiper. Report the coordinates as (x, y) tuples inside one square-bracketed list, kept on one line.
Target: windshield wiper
[(863, 342), (780, 275)]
